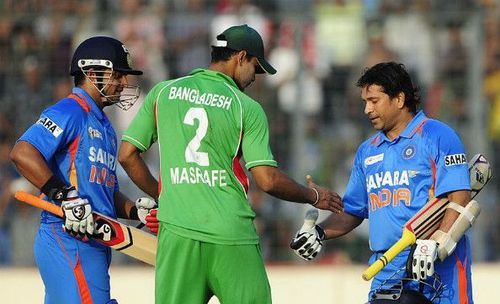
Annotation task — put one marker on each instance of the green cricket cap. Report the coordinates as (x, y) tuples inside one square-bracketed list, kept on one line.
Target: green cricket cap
[(245, 38)]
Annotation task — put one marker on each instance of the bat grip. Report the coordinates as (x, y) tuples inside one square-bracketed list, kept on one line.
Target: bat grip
[(38, 202), (408, 238)]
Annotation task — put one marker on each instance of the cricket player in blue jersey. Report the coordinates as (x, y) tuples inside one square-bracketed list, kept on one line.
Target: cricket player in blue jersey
[(410, 160), (70, 155)]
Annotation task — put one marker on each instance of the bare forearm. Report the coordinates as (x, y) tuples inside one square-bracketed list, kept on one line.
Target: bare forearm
[(337, 225), (124, 207), (141, 176), (289, 190), (277, 184), (136, 168), (450, 216)]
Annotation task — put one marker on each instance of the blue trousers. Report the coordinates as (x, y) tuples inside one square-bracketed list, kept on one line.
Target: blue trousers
[(72, 271)]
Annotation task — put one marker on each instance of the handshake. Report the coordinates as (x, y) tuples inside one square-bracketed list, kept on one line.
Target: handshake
[(308, 241)]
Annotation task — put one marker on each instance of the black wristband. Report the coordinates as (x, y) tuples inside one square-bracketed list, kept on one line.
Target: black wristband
[(133, 214), (321, 232), (52, 187)]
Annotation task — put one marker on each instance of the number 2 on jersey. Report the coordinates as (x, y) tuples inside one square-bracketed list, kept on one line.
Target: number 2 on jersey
[(192, 154)]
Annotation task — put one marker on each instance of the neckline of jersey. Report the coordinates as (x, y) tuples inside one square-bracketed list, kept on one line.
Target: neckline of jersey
[(409, 131), (215, 74), (93, 106)]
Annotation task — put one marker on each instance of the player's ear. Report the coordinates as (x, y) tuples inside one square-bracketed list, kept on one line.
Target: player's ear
[(241, 57), (401, 100)]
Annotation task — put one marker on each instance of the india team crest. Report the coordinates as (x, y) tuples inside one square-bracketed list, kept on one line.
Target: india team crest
[(409, 152)]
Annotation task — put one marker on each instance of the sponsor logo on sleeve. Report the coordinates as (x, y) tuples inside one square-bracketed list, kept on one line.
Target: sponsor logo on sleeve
[(374, 159), (455, 159), (51, 126)]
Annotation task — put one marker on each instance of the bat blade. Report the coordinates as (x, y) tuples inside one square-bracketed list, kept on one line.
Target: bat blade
[(427, 220), (108, 231)]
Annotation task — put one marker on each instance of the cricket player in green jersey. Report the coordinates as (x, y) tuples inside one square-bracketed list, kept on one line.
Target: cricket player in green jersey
[(204, 124)]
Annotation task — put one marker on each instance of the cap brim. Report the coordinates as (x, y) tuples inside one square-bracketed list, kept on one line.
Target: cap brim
[(265, 67), (129, 71)]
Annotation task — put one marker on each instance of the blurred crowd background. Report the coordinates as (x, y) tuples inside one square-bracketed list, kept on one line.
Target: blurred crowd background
[(319, 47)]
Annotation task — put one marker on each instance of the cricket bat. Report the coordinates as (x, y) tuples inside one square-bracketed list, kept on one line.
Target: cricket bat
[(427, 220), (108, 231)]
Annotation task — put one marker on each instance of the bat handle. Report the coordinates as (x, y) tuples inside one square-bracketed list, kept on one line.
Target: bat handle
[(38, 202), (408, 238)]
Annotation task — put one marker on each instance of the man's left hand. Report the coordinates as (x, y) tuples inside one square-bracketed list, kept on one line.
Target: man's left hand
[(422, 259)]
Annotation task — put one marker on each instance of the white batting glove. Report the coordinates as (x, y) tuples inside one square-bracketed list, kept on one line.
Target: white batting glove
[(422, 259), (144, 206), (308, 241), (78, 219)]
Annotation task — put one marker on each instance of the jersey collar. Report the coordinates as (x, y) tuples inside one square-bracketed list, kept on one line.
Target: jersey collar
[(215, 75), (93, 106), (413, 127)]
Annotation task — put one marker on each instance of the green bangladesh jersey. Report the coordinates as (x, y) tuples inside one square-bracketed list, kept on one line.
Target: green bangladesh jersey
[(204, 124)]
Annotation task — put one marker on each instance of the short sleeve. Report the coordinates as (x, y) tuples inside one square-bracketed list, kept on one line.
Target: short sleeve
[(256, 149), (56, 127), (452, 172), (142, 132)]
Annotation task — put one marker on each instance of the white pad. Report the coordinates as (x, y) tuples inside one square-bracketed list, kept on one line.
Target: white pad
[(448, 240)]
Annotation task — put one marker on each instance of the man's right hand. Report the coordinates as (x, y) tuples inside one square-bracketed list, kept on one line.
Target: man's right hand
[(325, 199), (308, 241), (78, 219)]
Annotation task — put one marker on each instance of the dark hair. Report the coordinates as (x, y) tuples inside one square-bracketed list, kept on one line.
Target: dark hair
[(79, 77), (394, 79), (223, 54)]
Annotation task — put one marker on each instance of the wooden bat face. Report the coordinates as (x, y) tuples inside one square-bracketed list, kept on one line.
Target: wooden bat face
[(129, 240), (427, 220), (118, 236)]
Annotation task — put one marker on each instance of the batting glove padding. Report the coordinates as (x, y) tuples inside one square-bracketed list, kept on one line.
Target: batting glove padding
[(152, 221), (307, 243), (144, 205), (421, 259), (78, 219)]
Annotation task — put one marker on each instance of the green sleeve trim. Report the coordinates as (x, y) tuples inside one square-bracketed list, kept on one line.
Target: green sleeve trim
[(135, 142), (255, 163)]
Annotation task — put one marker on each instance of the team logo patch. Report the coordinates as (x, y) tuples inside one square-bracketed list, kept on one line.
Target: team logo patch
[(374, 159), (94, 133), (51, 126), (455, 159), (409, 152)]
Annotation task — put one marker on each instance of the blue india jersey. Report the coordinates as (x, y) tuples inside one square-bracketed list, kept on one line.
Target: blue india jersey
[(79, 144), (392, 180)]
